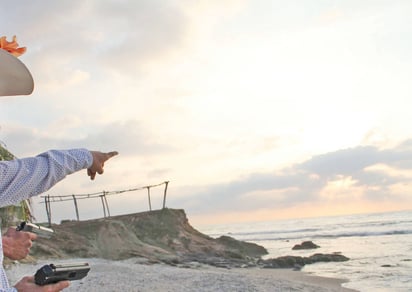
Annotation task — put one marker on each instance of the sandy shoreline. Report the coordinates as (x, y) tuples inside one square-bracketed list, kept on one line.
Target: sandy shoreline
[(130, 275)]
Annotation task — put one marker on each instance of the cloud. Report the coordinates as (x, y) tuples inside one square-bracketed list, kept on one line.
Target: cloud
[(343, 162), (117, 37), (339, 175), (157, 31), (129, 138)]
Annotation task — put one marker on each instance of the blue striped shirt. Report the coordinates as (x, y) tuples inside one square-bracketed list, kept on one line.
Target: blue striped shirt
[(21, 179)]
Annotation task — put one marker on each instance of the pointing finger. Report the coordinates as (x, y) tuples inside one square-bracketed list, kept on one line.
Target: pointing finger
[(112, 153)]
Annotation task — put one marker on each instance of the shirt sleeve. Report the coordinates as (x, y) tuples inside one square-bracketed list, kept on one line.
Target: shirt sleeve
[(23, 178), (4, 282), (11, 289)]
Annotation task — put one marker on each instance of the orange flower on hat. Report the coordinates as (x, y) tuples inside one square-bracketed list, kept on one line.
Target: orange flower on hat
[(12, 47)]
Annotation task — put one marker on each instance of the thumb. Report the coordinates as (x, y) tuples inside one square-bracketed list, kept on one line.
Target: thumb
[(59, 286)]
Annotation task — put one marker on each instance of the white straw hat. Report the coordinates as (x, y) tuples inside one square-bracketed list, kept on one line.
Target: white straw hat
[(15, 78)]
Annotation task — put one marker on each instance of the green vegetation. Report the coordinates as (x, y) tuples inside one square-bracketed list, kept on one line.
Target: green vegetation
[(5, 154)]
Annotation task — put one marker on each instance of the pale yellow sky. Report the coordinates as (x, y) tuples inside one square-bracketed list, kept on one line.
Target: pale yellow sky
[(252, 110)]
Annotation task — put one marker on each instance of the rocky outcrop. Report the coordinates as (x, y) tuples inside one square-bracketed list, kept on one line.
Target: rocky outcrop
[(158, 236)]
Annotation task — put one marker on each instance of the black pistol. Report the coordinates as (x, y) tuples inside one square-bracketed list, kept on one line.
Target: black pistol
[(49, 274), (39, 230)]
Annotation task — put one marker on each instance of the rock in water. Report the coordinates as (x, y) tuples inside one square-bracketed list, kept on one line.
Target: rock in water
[(305, 245)]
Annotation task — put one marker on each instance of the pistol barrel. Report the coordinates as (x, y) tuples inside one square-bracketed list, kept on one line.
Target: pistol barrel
[(37, 229)]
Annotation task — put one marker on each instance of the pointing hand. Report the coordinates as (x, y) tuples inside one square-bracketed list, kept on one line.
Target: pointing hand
[(99, 158)]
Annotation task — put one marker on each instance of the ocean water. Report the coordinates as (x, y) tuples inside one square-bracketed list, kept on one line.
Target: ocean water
[(379, 246)]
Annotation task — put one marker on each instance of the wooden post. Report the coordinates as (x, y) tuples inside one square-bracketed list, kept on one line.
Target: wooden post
[(164, 196), (75, 206), (107, 205), (48, 209), (148, 195), (104, 209)]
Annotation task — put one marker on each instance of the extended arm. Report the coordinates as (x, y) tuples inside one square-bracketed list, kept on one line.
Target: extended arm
[(27, 177)]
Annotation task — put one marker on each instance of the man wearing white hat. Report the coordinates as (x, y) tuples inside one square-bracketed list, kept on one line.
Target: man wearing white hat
[(21, 179), (15, 78)]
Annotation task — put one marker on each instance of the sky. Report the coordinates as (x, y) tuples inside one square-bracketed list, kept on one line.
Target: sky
[(252, 110)]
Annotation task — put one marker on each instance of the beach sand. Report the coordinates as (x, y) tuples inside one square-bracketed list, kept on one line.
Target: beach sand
[(136, 275)]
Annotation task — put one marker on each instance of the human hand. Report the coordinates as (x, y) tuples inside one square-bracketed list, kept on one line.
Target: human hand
[(27, 284), (99, 158), (17, 244)]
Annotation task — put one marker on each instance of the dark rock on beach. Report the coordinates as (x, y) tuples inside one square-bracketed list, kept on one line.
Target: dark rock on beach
[(297, 261), (305, 245), (250, 249)]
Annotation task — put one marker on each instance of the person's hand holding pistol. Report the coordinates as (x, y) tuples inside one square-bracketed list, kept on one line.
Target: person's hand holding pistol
[(18, 241), (16, 244)]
